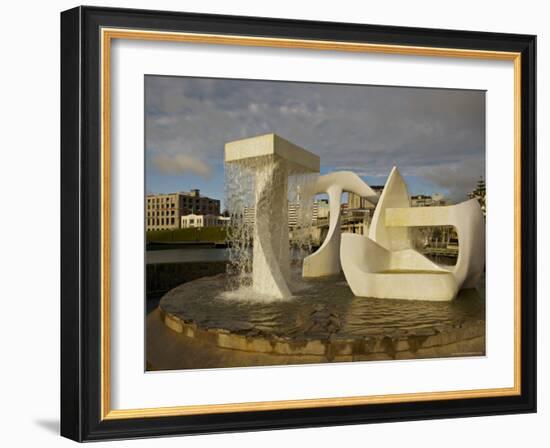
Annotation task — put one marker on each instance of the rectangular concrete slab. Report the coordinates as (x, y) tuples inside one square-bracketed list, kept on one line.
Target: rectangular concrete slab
[(272, 144), (418, 216)]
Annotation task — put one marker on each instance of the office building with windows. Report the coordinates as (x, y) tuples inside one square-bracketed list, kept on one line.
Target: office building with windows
[(164, 211)]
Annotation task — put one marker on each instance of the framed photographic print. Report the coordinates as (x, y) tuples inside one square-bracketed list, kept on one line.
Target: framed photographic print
[(274, 223)]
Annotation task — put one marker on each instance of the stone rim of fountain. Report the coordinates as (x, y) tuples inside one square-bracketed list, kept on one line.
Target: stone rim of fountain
[(395, 344)]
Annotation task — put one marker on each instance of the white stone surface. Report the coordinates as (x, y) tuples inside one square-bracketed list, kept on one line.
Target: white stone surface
[(467, 218), (395, 194), (373, 271), (384, 265), (272, 159), (326, 260), (271, 144)]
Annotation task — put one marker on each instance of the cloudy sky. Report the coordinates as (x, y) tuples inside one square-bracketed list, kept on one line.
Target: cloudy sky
[(436, 137)]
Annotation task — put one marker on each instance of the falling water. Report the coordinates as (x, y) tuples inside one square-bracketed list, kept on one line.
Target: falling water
[(243, 180), (301, 196), (239, 200)]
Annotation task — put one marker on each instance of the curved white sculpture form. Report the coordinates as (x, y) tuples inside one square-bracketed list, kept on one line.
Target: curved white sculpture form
[(326, 260), (384, 265), (395, 194), (467, 219), (373, 271), (272, 159)]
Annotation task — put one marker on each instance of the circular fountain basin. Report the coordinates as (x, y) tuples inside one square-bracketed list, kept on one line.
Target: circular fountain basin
[(325, 321)]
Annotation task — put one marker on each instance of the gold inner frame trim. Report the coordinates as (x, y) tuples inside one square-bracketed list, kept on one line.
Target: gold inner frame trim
[(107, 35)]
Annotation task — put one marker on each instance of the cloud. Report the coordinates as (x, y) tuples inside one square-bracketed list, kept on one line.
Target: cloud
[(181, 164), (458, 178), (425, 132)]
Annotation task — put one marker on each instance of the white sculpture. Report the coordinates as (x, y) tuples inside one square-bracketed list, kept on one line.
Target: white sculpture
[(272, 159), (326, 260), (384, 264)]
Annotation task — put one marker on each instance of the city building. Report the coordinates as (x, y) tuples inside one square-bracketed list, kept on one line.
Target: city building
[(164, 211), (224, 221), (423, 200), (357, 212), (293, 214), (249, 215), (321, 211), (356, 202), (198, 221)]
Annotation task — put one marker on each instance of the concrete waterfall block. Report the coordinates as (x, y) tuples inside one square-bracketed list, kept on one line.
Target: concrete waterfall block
[(384, 264), (326, 260), (272, 159)]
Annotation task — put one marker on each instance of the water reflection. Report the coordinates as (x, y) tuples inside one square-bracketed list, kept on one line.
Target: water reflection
[(321, 309), (185, 255)]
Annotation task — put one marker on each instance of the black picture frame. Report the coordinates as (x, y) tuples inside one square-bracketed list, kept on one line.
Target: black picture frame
[(81, 414)]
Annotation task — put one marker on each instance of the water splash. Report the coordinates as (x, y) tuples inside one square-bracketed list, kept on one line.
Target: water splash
[(256, 191)]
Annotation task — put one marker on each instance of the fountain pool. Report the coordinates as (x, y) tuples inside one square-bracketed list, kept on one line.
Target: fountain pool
[(266, 306), (324, 320)]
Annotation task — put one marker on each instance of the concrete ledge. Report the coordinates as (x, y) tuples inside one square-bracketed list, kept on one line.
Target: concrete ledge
[(268, 145), (201, 329), (170, 350), (441, 341)]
